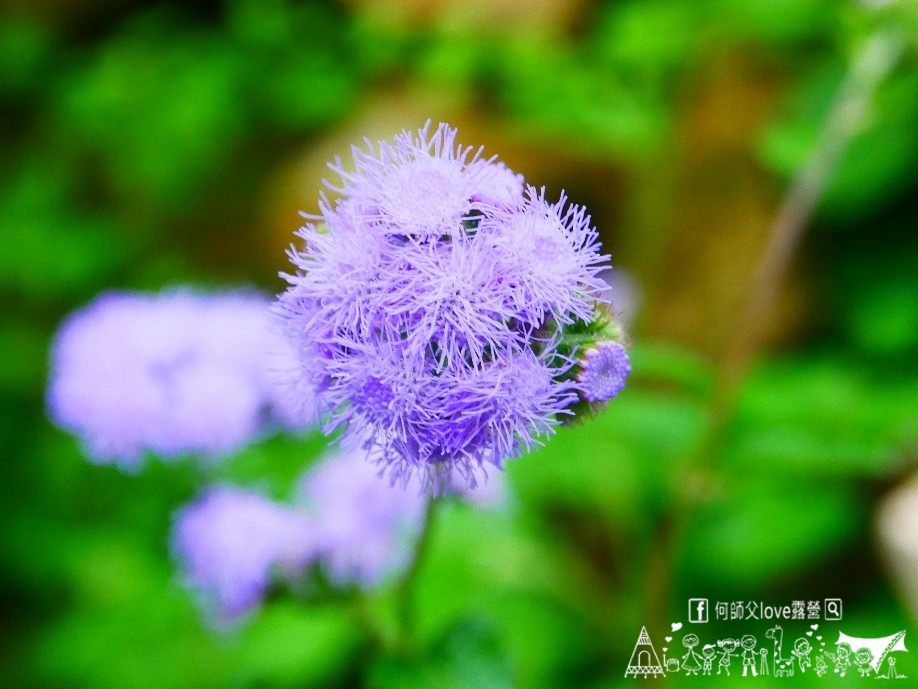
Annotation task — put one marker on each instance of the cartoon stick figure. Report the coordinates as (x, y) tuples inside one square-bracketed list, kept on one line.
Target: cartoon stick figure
[(862, 659), (820, 666), (728, 648), (690, 660), (842, 658), (891, 673), (802, 650), (749, 654), (708, 657)]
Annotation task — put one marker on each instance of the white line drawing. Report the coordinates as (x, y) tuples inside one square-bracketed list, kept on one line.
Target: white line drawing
[(750, 655), (833, 609), (728, 648), (690, 662), (802, 650), (708, 653), (841, 658), (820, 665), (644, 660), (763, 661), (784, 667), (880, 647), (669, 664), (866, 655), (864, 659), (698, 610), (891, 671)]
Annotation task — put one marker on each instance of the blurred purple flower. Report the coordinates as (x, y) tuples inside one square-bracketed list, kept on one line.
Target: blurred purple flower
[(623, 293), (429, 304), (171, 373), (366, 528), (488, 492), (230, 541)]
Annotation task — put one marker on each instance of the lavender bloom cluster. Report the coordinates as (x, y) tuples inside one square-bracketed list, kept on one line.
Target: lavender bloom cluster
[(365, 528), (171, 373), (360, 531), (231, 540), (432, 304)]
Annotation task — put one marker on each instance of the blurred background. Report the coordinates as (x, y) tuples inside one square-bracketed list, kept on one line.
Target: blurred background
[(149, 144)]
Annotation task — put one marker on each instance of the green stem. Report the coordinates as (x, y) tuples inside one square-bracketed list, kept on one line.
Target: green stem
[(405, 593)]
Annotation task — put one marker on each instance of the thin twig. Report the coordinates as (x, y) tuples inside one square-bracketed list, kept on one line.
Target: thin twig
[(874, 62), (848, 111)]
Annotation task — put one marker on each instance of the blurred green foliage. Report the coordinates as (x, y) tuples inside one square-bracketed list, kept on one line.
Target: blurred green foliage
[(139, 138)]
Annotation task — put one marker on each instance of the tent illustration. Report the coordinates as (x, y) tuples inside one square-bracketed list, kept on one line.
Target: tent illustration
[(880, 647), (644, 660)]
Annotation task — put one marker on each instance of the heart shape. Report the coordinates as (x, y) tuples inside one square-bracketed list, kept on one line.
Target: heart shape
[(809, 633), (665, 649), (819, 637), (668, 639), (814, 626), (676, 626)]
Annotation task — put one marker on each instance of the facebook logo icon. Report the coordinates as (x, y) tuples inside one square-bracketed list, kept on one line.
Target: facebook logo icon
[(698, 610)]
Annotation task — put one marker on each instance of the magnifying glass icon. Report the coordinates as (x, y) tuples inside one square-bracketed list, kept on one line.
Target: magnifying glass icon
[(833, 609)]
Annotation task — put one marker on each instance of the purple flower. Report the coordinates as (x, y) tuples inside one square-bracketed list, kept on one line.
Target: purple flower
[(603, 371), (623, 293), (365, 528), (488, 493), (172, 373), (230, 541), (497, 185), (431, 304), (419, 187)]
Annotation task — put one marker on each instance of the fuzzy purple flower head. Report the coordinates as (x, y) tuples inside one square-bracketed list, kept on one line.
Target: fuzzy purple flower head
[(230, 541), (443, 304), (603, 371), (171, 373), (365, 529)]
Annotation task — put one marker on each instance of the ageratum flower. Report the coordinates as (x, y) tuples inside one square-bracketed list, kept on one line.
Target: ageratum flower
[(231, 544), (603, 371), (230, 541), (432, 303), (365, 530), (172, 373)]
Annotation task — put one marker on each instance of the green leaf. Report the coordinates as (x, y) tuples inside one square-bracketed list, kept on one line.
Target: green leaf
[(291, 645), (821, 417), (53, 247), (468, 655), (25, 55), (756, 531)]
